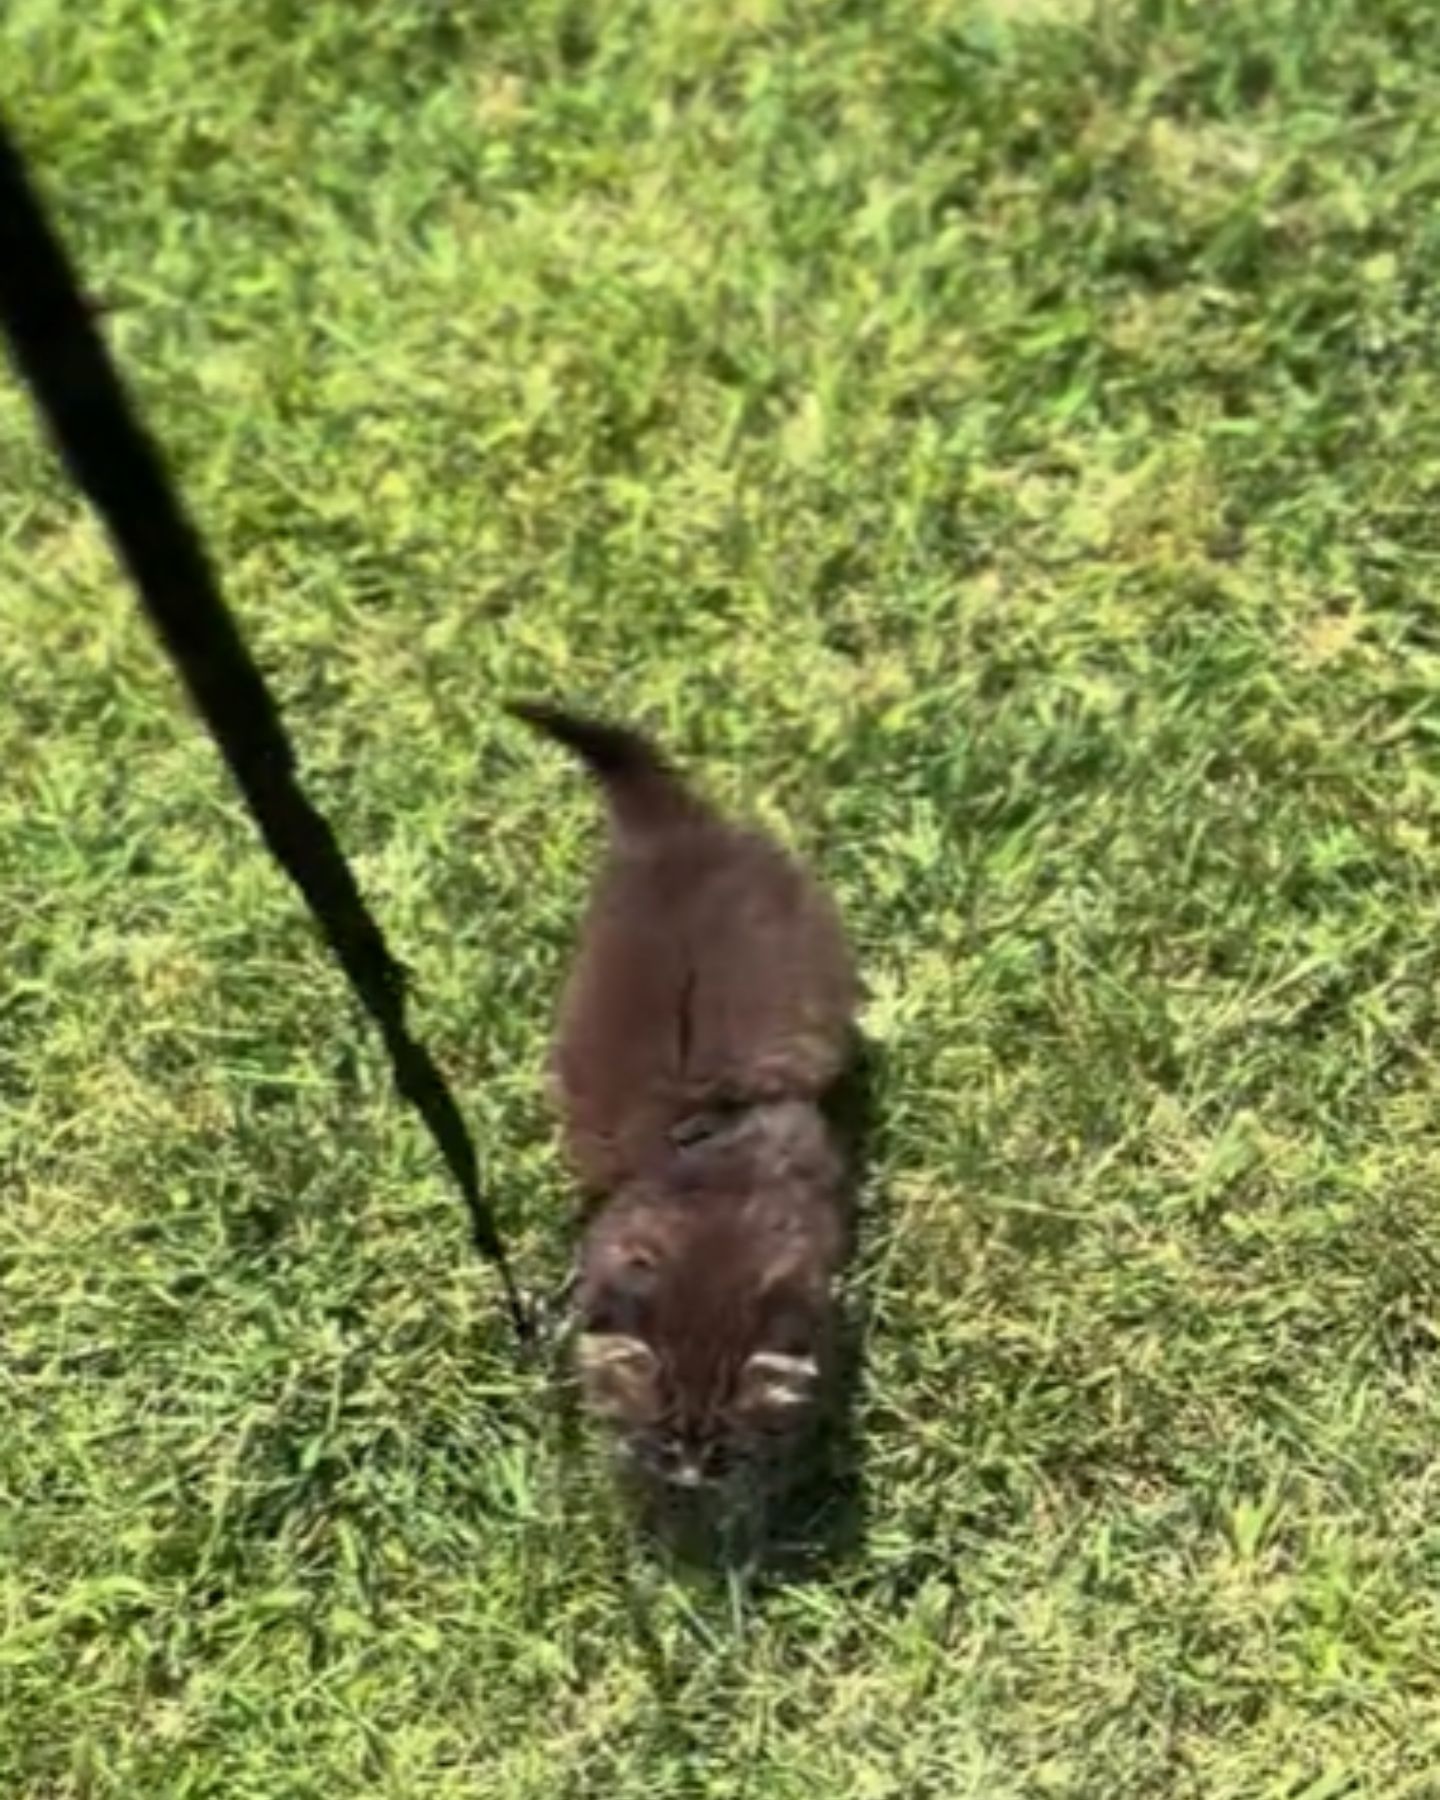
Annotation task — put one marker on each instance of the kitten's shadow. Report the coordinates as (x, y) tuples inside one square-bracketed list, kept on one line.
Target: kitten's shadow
[(819, 1520)]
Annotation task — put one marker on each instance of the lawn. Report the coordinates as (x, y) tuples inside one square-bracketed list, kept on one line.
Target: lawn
[(998, 443)]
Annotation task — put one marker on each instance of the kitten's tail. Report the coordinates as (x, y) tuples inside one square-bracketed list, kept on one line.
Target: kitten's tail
[(643, 792)]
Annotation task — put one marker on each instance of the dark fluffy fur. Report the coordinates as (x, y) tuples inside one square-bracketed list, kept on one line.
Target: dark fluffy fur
[(710, 1009)]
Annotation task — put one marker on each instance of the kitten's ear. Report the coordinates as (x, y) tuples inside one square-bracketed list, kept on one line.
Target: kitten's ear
[(779, 1384), (781, 1378), (620, 1375)]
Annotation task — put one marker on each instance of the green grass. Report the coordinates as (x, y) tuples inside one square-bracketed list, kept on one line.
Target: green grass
[(1000, 441)]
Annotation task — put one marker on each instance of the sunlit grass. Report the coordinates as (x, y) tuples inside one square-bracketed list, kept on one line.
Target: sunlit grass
[(999, 444)]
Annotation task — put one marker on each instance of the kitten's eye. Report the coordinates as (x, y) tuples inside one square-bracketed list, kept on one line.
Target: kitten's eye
[(654, 1453), (676, 1464), (716, 1461)]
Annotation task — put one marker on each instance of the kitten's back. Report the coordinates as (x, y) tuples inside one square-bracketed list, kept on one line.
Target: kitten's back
[(711, 968)]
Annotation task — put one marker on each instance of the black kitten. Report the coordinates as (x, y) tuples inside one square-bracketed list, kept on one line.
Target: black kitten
[(710, 1009)]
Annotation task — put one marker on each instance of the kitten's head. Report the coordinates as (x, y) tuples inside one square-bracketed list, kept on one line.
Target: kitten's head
[(707, 1315)]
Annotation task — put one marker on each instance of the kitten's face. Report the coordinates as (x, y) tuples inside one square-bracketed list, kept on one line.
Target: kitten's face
[(731, 1429), (704, 1356)]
